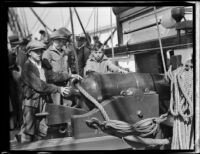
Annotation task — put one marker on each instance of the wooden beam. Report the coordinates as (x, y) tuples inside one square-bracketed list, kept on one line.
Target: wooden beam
[(172, 42)]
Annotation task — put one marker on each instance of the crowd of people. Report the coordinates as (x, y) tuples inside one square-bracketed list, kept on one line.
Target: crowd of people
[(43, 75)]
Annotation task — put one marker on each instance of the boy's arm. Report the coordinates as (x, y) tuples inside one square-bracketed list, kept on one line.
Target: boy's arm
[(115, 68), (33, 80), (54, 77)]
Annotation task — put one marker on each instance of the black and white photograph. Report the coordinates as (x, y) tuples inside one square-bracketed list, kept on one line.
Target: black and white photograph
[(103, 76)]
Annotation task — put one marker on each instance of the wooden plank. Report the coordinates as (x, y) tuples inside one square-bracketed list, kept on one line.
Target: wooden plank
[(69, 143)]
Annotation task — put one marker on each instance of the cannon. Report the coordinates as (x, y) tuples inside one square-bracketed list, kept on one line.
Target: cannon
[(127, 97)]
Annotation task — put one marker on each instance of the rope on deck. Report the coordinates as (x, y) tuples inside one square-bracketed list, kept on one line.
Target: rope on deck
[(181, 106)]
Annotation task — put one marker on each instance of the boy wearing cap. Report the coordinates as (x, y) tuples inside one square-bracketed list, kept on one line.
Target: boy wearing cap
[(35, 90), (98, 62), (57, 57), (97, 43)]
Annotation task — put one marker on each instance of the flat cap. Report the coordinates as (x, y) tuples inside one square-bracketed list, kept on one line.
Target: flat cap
[(61, 33), (65, 31), (35, 45)]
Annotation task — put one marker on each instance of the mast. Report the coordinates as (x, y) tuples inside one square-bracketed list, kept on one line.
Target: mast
[(82, 26), (75, 54)]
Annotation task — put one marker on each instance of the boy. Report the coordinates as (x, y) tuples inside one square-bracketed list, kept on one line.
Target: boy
[(98, 62), (57, 57), (35, 90)]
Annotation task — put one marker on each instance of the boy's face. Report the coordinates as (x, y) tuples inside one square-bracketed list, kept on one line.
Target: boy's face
[(36, 55), (59, 43), (98, 55)]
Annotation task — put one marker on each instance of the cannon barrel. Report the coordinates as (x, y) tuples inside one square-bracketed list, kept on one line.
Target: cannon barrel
[(103, 86)]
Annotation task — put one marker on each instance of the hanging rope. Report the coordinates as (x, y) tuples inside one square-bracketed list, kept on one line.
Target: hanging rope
[(26, 23), (122, 129), (97, 22), (113, 54), (181, 106), (161, 48)]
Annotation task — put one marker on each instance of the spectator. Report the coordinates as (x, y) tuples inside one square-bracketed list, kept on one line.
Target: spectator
[(97, 43), (83, 52), (43, 36), (100, 63)]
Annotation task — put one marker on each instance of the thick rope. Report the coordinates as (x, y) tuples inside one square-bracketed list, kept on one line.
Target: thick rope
[(181, 106), (142, 128), (94, 101)]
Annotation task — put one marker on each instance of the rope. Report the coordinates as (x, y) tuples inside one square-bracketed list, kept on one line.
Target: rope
[(94, 101), (89, 18), (142, 128), (159, 38), (181, 106)]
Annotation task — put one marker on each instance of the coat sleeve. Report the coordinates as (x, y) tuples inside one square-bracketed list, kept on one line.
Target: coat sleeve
[(112, 67), (33, 81), (89, 67), (54, 77)]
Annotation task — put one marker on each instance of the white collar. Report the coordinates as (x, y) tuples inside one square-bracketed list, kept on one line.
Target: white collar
[(38, 65)]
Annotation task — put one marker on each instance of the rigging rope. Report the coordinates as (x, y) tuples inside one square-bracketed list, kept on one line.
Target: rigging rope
[(89, 18), (181, 106), (37, 21), (159, 38)]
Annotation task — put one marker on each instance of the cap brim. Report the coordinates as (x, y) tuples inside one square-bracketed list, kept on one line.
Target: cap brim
[(56, 38), (38, 49)]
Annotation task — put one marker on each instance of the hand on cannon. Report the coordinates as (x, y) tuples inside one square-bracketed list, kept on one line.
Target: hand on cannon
[(76, 76), (65, 91), (123, 71)]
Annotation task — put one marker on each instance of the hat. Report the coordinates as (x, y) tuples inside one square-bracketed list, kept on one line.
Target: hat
[(35, 45), (95, 37), (82, 37), (65, 31), (14, 40), (61, 33), (42, 32)]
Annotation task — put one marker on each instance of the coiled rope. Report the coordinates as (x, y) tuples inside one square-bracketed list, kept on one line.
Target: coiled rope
[(122, 129), (181, 107)]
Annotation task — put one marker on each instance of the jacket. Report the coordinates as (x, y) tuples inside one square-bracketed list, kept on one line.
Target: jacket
[(58, 60), (103, 66), (34, 88)]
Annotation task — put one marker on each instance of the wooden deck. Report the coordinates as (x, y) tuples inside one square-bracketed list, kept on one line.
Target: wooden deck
[(69, 143)]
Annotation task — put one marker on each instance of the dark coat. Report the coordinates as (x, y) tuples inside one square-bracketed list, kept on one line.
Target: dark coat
[(34, 88), (83, 55)]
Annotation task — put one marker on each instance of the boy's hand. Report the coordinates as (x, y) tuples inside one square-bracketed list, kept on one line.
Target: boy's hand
[(123, 71), (65, 91), (76, 76)]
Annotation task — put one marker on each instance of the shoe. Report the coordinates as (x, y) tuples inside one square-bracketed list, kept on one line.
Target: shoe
[(23, 138)]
